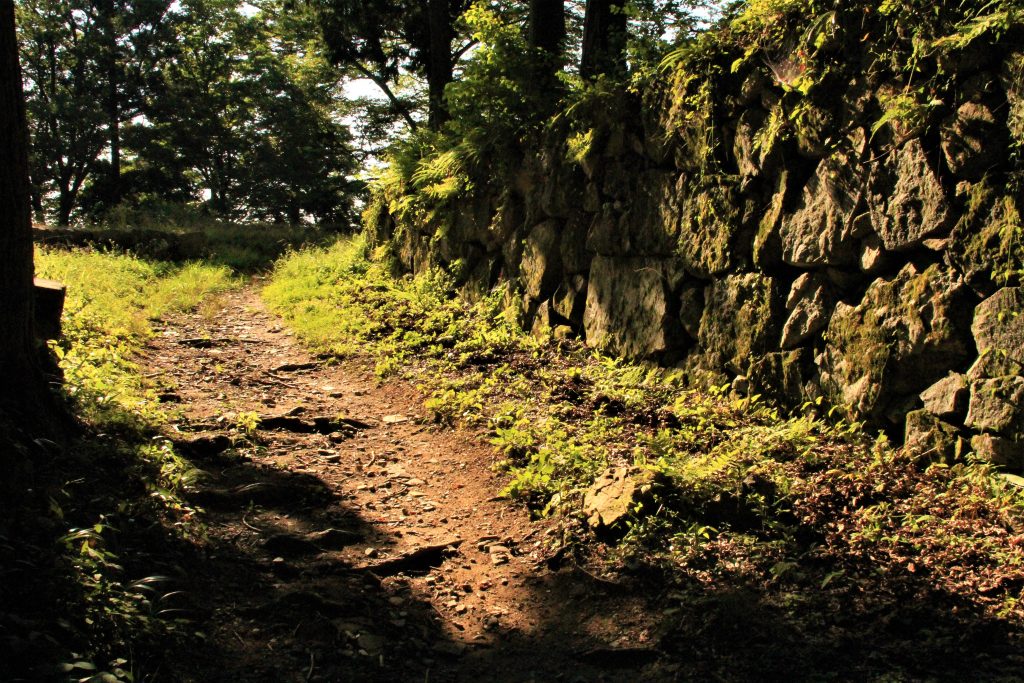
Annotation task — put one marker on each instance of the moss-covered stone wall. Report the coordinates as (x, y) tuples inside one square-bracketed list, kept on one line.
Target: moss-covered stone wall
[(813, 202)]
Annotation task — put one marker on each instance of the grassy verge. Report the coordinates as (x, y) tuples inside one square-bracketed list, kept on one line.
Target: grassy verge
[(243, 248), (794, 504), (89, 585)]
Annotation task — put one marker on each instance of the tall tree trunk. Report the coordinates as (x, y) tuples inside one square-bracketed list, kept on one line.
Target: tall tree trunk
[(604, 39), (440, 66), (546, 34), (65, 203), (547, 26), (21, 379)]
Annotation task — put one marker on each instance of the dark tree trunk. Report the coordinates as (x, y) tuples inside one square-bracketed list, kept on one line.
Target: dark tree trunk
[(440, 66), (547, 26), (604, 39), (21, 379), (65, 203), (546, 34)]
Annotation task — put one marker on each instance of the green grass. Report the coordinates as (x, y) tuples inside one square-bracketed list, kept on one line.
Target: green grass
[(102, 512), (740, 483), (111, 300)]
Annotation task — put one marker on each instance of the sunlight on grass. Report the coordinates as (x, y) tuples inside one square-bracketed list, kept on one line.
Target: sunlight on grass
[(110, 302), (737, 481)]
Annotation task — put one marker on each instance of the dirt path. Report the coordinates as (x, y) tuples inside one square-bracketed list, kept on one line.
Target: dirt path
[(354, 541)]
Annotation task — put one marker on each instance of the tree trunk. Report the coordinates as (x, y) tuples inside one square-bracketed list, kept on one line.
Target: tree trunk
[(439, 68), (21, 379), (547, 26), (546, 35), (65, 203), (604, 39)]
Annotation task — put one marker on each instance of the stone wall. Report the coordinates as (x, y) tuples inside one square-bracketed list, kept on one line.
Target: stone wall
[(784, 241)]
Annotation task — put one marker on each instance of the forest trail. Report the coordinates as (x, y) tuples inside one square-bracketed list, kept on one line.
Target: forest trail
[(348, 539)]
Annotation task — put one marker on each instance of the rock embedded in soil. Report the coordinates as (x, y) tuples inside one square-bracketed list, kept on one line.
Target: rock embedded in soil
[(614, 495)]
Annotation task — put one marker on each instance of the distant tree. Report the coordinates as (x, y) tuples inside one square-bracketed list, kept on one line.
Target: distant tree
[(61, 50), (246, 105), (380, 39), (87, 66)]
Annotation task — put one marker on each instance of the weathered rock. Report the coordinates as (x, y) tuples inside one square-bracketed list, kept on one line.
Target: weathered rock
[(767, 247), (906, 200), (947, 398), (972, 141), (825, 228), (570, 299), (573, 245), (627, 310), (614, 496), (708, 226), (604, 236), (748, 156), (998, 330), (903, 336), (541, 267), (815, 131), (997, 405), (544, 320), (650, 219), (872, 254), (778, 376), (741, 319), (929, 436), (984, 244), (810, 303), (999, 450)]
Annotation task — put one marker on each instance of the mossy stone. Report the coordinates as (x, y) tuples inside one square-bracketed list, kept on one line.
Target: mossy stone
[(906, 333), (741, 319)]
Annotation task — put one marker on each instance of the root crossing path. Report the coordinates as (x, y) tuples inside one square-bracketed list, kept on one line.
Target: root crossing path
[(348, 539)]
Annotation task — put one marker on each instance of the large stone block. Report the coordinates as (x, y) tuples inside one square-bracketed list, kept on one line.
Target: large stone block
[(541, 268), (628, 310), (906, 200), (905, 334), (998, 330), (742, 317), (825, 229), (708, 226), (973, 142), (929, 436), (997, 405), (999, 450), (810, 303), (778, 376), (948, 397)]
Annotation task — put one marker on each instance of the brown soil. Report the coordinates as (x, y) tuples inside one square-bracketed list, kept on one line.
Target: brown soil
[(349, 539)]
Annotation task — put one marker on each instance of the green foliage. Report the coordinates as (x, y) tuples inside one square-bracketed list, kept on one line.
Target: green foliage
[(119, 486), (111, 299), (202, 97), (732, 474)]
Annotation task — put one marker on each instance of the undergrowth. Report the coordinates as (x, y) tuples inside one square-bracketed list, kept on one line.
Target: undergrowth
[(805, 497), (85, 597)]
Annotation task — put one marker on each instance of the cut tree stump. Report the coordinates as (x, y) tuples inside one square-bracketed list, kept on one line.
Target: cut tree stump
[(49, 305)]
